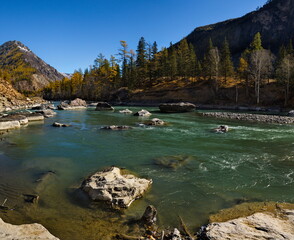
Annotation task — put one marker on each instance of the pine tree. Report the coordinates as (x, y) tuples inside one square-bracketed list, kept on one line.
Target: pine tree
[(256, 44), (227, 67), (141, 62)]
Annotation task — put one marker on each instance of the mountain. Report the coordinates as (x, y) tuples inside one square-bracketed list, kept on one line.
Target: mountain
[(275, 22), (28, 72)]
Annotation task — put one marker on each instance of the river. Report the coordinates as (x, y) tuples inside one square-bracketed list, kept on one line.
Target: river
[(252, 162)]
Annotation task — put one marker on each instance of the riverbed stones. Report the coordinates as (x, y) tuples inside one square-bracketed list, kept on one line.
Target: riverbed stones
[(103, 106), (115, 188), (116, 128), (143, 113), (74, 104), (176, 107), (250, 117), (24, 232), (261, 226)]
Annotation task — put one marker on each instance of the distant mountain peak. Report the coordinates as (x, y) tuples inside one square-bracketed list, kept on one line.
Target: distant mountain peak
[(30, 73)]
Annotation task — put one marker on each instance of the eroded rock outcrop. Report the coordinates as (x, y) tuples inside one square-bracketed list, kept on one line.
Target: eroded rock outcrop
[(103, 106), (259, 226), (24, 232), (115, 188), (176, 107), (74, 104)]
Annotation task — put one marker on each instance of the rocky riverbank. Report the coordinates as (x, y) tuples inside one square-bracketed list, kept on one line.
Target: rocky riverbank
[(250, 117), (10, 99)]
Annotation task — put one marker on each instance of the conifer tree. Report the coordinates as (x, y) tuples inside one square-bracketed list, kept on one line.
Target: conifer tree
[(227, 67), (141, 62)]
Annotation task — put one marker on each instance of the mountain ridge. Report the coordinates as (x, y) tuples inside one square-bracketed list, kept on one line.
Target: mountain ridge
[(275, 22)]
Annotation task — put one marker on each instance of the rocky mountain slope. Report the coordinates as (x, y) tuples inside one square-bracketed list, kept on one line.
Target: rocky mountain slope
[(12, 99), (275, 22), (28, 72)]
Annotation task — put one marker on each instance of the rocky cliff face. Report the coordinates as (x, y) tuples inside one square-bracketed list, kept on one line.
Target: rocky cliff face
[(12, 99), (29, 72), (275, 22)]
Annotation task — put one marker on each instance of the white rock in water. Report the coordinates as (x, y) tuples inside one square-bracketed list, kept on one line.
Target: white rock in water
[(143, 113), (24, 232), (9, 124), (114, 188), (261, 226)]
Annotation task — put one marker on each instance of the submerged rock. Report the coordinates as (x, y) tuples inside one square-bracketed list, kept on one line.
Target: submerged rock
[(261, 226), (176, 107), (116, 128), (24, 232), (56, 124), (126, 111), (143, 113), (173, 162), (117, 189), (31, 198), (221, 129), (103, 106), (74, 104), (150, 215)]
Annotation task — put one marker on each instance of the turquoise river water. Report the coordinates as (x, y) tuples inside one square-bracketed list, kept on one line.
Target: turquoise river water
[(253, 162)]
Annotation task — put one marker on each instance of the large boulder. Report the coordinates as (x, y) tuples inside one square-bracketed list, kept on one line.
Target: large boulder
[(23, 120), (44, 107), (47, 113), (32, 117), (155, 122), (24, 232), (261, 226), (74, 104), (7, 124), (104, 106), (143, 113), (119, 190), (176, 107)]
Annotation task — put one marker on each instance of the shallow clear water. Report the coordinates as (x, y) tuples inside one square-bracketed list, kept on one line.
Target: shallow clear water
[(253, 162)]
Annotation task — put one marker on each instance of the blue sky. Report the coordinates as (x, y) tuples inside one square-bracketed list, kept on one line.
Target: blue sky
[(69, 34)]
